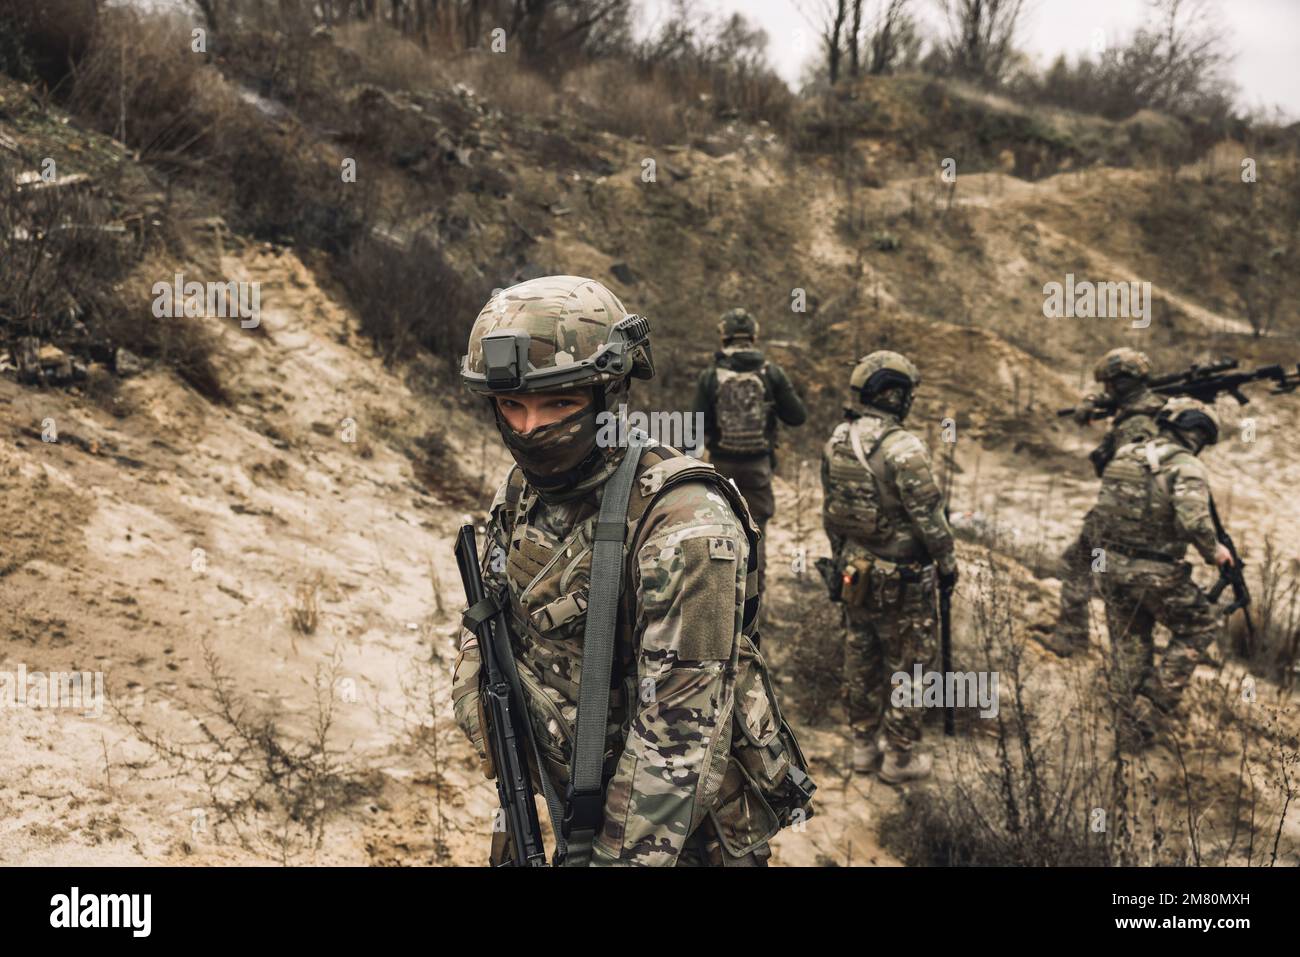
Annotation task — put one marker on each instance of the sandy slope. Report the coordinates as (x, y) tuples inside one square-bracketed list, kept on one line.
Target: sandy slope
[(132, 543)]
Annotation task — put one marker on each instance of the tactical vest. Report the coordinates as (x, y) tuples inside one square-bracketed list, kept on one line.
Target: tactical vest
[(858, 505), (764, 784), (1134, 508), (742, 410), (1134, 422)]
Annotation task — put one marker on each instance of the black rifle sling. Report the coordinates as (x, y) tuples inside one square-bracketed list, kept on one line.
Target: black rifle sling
[(585, 801)]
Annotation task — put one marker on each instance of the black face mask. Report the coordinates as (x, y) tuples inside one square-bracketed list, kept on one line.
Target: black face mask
[(553, 456), (1194, 439), (897, 402), (1123, 387), (560, 455)]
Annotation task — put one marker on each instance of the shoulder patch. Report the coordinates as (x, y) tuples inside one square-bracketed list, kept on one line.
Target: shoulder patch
[(901, 445), (656, 476)]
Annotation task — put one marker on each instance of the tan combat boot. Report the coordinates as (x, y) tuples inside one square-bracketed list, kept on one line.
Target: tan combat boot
[(866, 755), (899, 767)]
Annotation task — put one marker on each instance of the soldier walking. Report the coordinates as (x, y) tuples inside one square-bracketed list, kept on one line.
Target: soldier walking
[(742, 396), (884, 516), (1154, 502), (1123, 374)]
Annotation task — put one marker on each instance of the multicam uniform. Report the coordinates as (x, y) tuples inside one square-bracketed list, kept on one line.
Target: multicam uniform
[(1135, 421), (1154, 501), (750, 466), (885, 523), (688, 689)]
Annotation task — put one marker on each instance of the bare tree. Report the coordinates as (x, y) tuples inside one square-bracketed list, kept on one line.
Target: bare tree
[(855, 34), (981, 45), (894, 34), (828, 21)]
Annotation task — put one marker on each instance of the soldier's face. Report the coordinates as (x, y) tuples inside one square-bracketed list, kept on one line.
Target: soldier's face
[(524, 413)]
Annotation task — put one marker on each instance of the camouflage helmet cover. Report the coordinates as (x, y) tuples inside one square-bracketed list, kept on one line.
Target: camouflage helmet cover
[(737, 323), (555, 333), (883, 361), (1184, 412), (1122, 361)]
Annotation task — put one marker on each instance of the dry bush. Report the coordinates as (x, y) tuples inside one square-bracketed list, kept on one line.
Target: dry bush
[(1053, 783), (1028, 797), (305, 612), (803, 636), (278, 790), (61, 257), (78, 276), (393, 289), (1276, 607), (387, 59), (139, 81)]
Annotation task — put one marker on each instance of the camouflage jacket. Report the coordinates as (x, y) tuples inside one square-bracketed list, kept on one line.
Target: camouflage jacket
[(786, 406), (891, 506), (1134, 421), (669, 730), (1155, 498)]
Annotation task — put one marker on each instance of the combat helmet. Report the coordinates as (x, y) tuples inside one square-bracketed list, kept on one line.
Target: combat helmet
[(879, 371), (1182, 412), (1122, 361), (555, 333), (737, 324)]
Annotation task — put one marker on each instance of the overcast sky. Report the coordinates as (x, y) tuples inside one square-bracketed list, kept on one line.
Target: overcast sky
[(1264, 34)]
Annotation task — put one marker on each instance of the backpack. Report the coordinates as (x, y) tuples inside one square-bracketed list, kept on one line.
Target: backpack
[(1131, 508), (742, 408)]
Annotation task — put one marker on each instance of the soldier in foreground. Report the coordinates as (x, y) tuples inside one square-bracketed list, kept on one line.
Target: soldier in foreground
[(1123, 374), (890, 542), (1154, 502), (687, 695), (742, 396)]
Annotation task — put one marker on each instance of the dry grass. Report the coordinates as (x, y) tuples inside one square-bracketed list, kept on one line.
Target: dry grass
[(275, 789), (304, 615)]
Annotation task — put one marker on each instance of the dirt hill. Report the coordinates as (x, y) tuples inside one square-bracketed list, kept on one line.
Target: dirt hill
[(264, 576)]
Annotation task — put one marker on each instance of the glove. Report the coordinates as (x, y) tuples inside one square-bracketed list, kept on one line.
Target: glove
[(948, 579), (468, 704), (1083, 411)]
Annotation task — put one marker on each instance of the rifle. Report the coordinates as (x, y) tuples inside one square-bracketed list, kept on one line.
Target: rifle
[(1202, 382), (945, 609), (506, 734), (1233, 575)]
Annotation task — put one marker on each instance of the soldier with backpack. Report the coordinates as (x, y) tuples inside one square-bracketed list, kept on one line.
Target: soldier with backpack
[(742, 395), (1124, 374), (1155, 501), (626, 582)]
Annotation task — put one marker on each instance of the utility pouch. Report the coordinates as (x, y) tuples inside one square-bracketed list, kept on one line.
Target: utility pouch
[(831, 577), (766, 785), (857, 578)]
